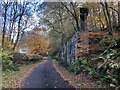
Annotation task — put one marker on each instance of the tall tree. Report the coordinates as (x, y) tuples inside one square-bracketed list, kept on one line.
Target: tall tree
[(15, 20), (73, 11), (21, 11), (5, 8), (41, 46), (107, 16)]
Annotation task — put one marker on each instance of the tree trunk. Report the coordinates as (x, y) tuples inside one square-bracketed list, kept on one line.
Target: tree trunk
[(74, 14), (102, 24), (18, 35), (4, 27), (94, 19), (77, 24), (76, 17), (104, 14), (22, 10), (109, 19), (118, 13), (114, 22)]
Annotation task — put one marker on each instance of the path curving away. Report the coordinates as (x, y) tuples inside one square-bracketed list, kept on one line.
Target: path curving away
[(45, 76)]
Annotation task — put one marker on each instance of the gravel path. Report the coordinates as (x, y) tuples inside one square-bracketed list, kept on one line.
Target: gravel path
[(45, 76)]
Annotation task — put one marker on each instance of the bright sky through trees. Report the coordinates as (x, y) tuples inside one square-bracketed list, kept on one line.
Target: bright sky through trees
[(40, 1), (62, 0)]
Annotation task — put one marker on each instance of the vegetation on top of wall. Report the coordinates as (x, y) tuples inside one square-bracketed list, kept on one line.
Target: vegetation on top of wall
[(104, 66)]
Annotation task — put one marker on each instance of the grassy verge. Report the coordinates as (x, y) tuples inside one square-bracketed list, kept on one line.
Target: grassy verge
[(14, 79), (77, 81)]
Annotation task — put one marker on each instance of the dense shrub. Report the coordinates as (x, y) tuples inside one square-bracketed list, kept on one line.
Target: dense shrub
[(80, 65), (20, 58), (74, 67), (108, 71), (106, 40), (12, 61), (35, 57), (110, 67), (7, 63)]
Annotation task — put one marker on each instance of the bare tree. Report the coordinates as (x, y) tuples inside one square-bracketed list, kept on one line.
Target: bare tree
[(22, 8), (5, 7)]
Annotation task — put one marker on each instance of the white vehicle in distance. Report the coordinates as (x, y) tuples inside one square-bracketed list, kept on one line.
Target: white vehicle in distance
[(23, 50)]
